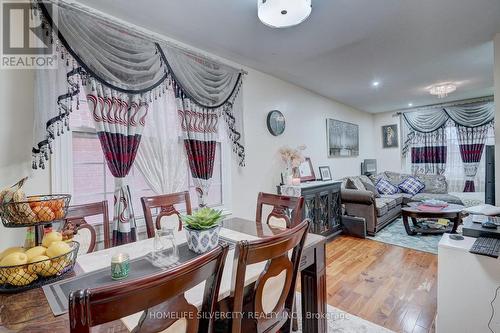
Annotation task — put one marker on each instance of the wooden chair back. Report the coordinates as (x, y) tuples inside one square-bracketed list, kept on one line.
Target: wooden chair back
[(159, 293), (271, 298), (84, 232), (281, 206), (166, 204)]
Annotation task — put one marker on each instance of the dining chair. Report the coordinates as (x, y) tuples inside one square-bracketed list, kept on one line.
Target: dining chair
[(162, 293), (84, 232), (267, 305), (166, 204), (281, 205)]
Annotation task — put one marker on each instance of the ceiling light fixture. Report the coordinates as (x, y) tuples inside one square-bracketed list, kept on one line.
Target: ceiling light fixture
[(376, 83), (441, 90), (283, 13)]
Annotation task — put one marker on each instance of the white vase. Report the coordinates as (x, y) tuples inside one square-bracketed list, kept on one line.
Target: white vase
[(201, 241), (288, 176)]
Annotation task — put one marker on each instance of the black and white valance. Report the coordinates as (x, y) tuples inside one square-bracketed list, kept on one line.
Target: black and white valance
[(94, 52), (431, 120)]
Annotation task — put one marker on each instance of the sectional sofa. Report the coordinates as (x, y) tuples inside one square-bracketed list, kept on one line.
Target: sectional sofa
[(360, 199)]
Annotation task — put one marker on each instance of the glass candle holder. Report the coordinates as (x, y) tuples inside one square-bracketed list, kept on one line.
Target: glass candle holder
[(120, 266)]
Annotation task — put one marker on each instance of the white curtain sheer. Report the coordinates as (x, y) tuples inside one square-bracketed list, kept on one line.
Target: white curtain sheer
[(455, 173), (51, 113), (161, 157)]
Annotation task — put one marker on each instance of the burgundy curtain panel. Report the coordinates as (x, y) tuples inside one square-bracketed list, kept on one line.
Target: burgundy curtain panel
[(119, 120), (428, 152), (471, 141), (200, 132)]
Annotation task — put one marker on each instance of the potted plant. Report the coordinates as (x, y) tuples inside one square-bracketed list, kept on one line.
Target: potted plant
[(202, 229)]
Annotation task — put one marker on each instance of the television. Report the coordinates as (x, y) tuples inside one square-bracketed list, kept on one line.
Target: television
[(369, 167)]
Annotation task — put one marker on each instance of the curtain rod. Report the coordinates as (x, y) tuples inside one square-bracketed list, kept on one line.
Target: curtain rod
[(440, 105), (142, 32)]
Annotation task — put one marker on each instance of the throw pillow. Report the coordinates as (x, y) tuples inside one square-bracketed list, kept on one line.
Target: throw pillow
[(385, 187), (350, 184), (370, 187), (411, 185), (357, 182)]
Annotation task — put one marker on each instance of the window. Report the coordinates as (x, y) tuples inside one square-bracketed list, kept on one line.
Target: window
[(79, 156), (454, 172), (92, 180)]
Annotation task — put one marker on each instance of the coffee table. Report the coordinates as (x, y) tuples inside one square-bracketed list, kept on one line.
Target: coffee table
[(452, 212)]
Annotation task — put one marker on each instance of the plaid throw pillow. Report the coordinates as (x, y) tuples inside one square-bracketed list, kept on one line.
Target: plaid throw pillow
[(384, 187), (411, 185)]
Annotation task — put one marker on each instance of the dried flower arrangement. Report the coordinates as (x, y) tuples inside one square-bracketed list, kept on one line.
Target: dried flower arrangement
[(292, 157)]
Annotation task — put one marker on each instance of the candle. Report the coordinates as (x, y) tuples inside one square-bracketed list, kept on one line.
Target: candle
[(120, 266), (296, 181)]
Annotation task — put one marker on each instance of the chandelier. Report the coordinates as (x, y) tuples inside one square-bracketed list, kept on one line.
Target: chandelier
[(283, 13), (442, 90)]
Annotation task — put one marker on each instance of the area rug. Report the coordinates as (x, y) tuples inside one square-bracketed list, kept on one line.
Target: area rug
[(395, 234), (343, 322)]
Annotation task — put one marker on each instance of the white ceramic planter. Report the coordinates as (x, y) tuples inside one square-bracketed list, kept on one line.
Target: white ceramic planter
[(201, 241)]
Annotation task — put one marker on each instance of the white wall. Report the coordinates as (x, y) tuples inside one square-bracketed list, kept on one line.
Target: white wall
[(497, 116), (16, 136), (306, 115), (388, 159)]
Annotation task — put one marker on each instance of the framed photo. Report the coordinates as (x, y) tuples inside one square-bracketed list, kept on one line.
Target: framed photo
[(343, 138), (306, 171), (390, 136), (325, 173)]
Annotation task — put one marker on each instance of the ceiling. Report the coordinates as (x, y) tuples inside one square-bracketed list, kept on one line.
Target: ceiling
[(407, 45)]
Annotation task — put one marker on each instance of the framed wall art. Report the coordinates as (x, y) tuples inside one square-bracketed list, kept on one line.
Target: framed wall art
[(390, 136), (343, 138)]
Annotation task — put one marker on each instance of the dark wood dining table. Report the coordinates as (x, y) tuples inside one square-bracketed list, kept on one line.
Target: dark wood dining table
[(29, 311)]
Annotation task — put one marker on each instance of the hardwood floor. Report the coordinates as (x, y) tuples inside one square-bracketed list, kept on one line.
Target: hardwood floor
[(391, 286)]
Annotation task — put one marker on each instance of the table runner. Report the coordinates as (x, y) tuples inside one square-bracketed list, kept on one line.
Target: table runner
[(97, 265)]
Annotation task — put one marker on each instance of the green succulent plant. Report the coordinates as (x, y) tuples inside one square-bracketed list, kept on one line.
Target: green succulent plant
[(203, 219)]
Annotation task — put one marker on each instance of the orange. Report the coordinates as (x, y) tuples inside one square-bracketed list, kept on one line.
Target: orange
[(59, 213), (55, 204), (35, 202), (45, 214)]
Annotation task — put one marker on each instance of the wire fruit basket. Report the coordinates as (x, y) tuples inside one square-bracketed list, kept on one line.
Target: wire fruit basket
[(38, 273), (36, 210)]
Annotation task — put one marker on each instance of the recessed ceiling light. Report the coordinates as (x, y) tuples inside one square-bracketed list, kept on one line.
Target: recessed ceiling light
[(410, 104), (376, 83)]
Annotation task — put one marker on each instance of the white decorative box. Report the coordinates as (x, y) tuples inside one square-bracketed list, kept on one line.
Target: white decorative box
[(291, 190)]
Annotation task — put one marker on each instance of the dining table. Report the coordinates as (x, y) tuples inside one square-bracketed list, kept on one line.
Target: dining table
[(29, 311)]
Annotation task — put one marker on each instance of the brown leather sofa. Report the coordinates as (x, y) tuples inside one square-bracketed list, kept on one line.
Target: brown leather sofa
[(379, 210)]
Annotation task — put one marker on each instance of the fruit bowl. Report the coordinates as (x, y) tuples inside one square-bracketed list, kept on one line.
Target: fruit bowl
[(18, 278), (36, 210)]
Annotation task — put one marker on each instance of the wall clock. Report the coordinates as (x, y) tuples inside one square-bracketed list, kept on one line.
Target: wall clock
[(275, 122)]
